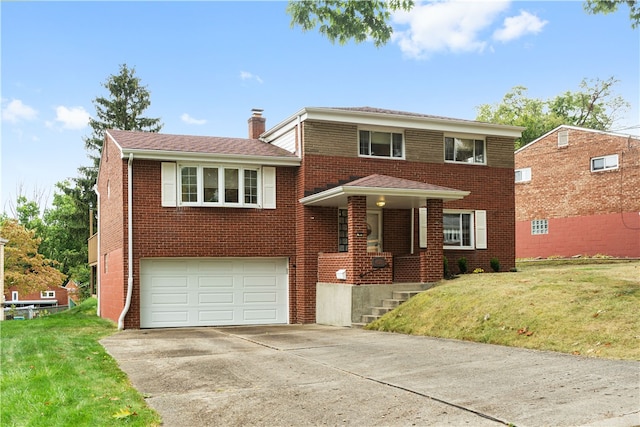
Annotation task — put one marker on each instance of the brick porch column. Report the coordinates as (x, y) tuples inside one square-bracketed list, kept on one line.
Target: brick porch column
[(357, 229), (431, 259)]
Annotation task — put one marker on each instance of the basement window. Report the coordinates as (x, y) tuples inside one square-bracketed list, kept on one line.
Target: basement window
[(539, 226)]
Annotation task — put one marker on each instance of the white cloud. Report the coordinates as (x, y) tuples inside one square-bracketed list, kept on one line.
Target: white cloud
[(517, 26), (245, 75), (16, 111), (190, 120), (72, 118)]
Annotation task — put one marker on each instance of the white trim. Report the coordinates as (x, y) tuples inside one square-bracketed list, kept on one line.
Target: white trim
[(396, 120), (320, 199), (576, 128)]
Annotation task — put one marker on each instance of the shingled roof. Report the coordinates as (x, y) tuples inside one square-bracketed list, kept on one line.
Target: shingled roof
[(151, 141)]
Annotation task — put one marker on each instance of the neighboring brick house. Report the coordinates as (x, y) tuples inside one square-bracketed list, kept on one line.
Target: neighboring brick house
[(52, 297), (306, 222), (578, 193)]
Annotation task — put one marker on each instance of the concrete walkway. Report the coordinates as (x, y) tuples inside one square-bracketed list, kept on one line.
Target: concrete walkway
[(295, 375)]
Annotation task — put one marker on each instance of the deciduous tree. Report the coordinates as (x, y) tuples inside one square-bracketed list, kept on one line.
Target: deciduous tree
[(610, 6), (594, 107), (26, 269)]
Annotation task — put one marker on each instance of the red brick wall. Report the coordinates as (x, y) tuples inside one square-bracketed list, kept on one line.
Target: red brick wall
[(563, 186), (611, 234), (112, 186)]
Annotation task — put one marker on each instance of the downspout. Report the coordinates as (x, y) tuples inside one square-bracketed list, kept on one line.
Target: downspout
[(127, 303), (95, 190)]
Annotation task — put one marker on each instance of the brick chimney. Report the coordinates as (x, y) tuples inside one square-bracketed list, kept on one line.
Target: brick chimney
[(257, 123)]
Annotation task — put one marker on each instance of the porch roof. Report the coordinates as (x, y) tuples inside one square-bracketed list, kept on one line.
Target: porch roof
[(384, 191)]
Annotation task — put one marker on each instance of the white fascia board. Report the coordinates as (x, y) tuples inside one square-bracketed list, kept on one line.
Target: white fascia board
[(210, 157), (283, 127), (446, 195), (398, 121)]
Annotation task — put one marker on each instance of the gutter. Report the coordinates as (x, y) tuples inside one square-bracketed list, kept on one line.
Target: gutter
[(127, 304), (95, 190)]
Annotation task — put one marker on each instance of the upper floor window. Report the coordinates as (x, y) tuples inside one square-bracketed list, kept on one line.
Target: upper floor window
[(604, 163), (381, 144), (218, 186), (523, 175), (47, 294), (464, 150)]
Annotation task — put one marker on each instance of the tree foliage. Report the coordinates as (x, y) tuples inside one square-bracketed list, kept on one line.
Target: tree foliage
[(344, 20), (610, 6), (25, 268), (594, 106)]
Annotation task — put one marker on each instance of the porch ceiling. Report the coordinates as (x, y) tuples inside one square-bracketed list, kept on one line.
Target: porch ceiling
[(397, 193)]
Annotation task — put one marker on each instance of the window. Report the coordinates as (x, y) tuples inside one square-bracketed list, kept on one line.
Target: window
[(381, 144), (218, 186), (457, 230), (14, 295), (539, 226), (47, 294), (523, 175), (563, 138), (464, 150), (604, 163)]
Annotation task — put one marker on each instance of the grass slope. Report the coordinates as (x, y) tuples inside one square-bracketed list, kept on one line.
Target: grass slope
[(55, 373), (587, 309)]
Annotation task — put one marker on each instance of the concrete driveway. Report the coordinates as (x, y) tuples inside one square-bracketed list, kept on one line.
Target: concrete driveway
[(295, 375)]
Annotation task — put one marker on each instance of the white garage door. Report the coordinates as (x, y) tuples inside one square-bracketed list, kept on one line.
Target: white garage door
[(213, 292)]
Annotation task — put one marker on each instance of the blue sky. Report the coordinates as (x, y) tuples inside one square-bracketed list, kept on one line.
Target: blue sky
[(207, 64)]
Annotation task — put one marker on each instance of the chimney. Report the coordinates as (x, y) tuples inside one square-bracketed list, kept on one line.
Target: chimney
[(257, 123)]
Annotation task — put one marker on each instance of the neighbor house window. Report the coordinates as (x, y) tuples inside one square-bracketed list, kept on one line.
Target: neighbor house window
[(604, 163), (464, 150), (523, 175), (219, 185), (14, 295), (47, 294), (381, 144), (539, 226), (457, 230)]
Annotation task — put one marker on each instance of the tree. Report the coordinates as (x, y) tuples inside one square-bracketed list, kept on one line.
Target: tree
[(26, 269), (609, 6), (594, 107), (128, 100), (343, 20)]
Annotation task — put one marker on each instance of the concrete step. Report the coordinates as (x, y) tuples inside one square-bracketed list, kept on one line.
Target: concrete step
[(379, 311), (405, 295), (392, 302), (368, 318), (359, 325)]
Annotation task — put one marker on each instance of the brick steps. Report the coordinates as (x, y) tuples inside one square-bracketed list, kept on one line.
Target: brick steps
[(388, 305)]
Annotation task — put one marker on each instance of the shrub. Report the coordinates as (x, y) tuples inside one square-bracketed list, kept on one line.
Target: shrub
[(445, 262), (478, 270), (495, 264), (462, 265)]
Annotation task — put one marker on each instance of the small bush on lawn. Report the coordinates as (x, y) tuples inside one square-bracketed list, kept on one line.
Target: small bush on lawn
[(495, 264), (462, 265)]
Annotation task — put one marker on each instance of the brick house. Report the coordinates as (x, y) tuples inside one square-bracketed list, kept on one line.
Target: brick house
[(578, 193), (309, 221), (54, 296)]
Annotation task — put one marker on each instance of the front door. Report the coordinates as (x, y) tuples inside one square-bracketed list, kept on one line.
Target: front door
[(374, 231)]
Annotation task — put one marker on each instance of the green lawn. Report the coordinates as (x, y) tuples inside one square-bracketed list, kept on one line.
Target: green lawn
[(55, 373), (591, 308)]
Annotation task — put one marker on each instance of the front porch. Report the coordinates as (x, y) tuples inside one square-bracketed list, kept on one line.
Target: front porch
[(366, 269)]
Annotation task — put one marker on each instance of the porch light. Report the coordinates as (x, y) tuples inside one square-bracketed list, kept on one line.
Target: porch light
[(380, 203)]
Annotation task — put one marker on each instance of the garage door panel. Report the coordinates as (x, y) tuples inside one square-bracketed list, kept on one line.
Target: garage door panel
[(218, 316), (217, 298), (260, 316), (160, 282), (212, 292), (260, 282), (216, 282), (260, 297), (169, 299)]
